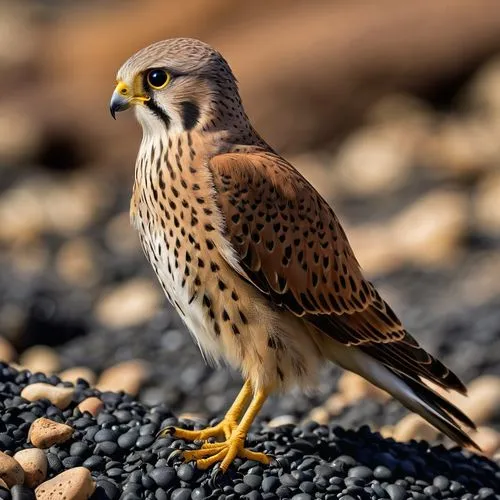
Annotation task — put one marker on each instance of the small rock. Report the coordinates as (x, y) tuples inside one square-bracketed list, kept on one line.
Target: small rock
[(7, 352), (129, 304), (73, 484), (93, 405), (58, 396), (486, 206), (353, 388), (75, 263), (319, 415), (34, 463), (430, 231), (44, 433), (488, 440), (127, 376), (413, 426), (73, 374), (40, 358), (3, 484), (10, 470), (282, 420), (119, 237)]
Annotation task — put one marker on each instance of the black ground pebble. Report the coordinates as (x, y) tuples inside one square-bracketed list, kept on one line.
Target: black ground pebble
[(309, 461)]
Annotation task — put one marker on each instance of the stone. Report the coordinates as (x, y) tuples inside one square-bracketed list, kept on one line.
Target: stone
[(91, 405), (413, 426), (58, 396), (485, 205), (127, 376), (120, 238), (7, 352), (374, 160), (282, 420), (430, 231), (11, 471), (34, 463), (129, 304), (75, 263), (353, 388), (44, 433), (40, 358), (488, 440), (73, 374), (73, 484)]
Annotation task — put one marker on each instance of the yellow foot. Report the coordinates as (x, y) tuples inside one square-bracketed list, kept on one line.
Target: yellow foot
[(223, 429), (225, 452)]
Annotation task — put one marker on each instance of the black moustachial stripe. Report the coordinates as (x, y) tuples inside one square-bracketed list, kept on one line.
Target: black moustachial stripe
[(151, 104), (190, 114)]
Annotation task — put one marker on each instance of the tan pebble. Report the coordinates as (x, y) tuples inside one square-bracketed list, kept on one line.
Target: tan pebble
[(335, 404), (91, 405), (34, 463), (375, 160), (386, 431), (119, 237), (431, 230), (486, 206), (488, 440), (44, 433), (3, 484), (127, 376), (483, 399), (58, 396), (73, 374), (413, 426), (40, 358), (319, 415), (10, 470), (353, 388), (73, 484), (7, 352), (75, 263), (282, 420), (129, 304)]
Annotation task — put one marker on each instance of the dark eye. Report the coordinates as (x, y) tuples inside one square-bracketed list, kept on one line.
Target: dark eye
[(158, 78)]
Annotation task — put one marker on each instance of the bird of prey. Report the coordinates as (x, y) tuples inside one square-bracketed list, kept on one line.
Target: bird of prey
[(252, 257)]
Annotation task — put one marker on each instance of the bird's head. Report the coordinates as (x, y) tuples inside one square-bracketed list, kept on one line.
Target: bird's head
[(179, 84)]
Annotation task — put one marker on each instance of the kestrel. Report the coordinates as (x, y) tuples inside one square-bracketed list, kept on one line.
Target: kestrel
[(252, 257)]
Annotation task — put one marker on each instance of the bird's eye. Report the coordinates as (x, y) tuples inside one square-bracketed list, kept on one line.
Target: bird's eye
[(158, 79)]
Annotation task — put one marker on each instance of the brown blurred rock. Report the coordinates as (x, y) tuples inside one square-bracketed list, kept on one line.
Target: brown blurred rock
[(483, 399), (3, 484), (430, 231), (353, 388), (10, 470), (308, 71), (44, 433), (120, 235), (72, 484), (488, 440), (73, 374), (413, 426), (129, 304), (486, 203), (319, 415), (375, 160), (92, 405), (75, 263), (7, 352), (282, 420), (483, 95), (127, 376), (35, 464), (58, 396), (40, 358)]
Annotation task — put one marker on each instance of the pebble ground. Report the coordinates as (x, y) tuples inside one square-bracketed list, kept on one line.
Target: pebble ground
[(310, 461)]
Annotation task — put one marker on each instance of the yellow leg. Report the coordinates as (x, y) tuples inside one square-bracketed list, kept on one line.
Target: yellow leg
[(234, 446), (223, 429)]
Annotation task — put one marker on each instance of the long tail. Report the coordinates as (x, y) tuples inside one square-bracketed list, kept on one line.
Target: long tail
[(412, 393)]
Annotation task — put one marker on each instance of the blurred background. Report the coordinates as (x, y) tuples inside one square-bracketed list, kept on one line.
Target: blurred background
[(390, 108)]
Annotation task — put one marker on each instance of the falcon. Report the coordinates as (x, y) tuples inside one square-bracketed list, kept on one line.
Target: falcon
[(253, 259)]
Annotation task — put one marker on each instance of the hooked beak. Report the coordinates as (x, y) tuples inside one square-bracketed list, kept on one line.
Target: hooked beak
[(123, 98)]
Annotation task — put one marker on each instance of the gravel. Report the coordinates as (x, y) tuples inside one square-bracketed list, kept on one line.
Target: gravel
[(310, 461)]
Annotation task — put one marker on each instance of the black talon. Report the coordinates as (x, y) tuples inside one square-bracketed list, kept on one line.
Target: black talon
[(173, 456), (165, 431)]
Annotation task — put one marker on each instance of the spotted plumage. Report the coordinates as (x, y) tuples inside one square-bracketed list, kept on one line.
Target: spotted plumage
[(251, 256)]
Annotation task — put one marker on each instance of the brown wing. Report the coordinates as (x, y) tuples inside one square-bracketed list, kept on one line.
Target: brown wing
[(292, 247)]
